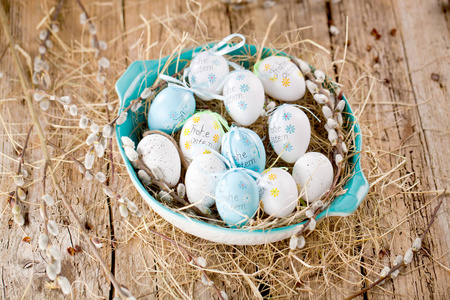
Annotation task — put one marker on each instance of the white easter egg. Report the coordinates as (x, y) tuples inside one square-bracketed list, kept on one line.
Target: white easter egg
[(201, 131), (244, 95), (280, 195), (201, 179), (313, 173), (289, 132), (156, 150), (281, 78), (207, 70)]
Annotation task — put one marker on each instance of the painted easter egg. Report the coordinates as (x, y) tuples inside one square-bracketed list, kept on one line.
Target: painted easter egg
[(237, 197), (244, 96), (157, 151), (170, 108), (201, 179), (280, 195), (281, 78), (207, 70), (313, 173), (244, 149), (203, 130), (289, 132)]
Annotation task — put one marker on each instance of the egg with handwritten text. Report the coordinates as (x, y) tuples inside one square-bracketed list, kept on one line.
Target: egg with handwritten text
[(313, 173), (244, 96), (200, 132), (207, 70), (201, 179), (244, 149), (289, 132), (170, 108), (280, 195), (281, 78), (157, 151), (236, 197)]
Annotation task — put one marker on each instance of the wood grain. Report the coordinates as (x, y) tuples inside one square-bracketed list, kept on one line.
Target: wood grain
[(406, 113)]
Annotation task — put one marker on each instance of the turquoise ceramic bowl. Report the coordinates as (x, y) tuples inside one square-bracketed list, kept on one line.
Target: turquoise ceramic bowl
[(142, 74)]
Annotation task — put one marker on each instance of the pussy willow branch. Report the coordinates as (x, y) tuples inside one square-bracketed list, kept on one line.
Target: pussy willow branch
[(26, 86), (106, 99), (379, 280), (43, 203), (22, 153)]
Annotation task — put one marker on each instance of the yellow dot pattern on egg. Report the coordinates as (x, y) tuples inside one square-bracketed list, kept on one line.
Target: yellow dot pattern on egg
[(286, 82), (216, 138), (186, 131), (266, 171), (273, 78), (187, 145), (275, 192), (272, 176), (206, 151), (196, 120), (215, 125)]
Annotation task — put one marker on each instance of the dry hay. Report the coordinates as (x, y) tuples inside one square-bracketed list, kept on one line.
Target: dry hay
[(333, 256)]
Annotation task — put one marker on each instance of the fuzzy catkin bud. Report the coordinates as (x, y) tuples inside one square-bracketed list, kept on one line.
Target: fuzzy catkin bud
[(123, 210), (132, 207), (332, 137), (340, 119), (417, 244), (24, 173), (205, 280), (89, 160), (38, 97), (88, 175), (99, 149), (49, 44), (309, 213), (144, 177), (146, 93), (100, 177), (122, 118), (181, 190), (385, 272), (398, 260), (131, 154), (332, 123), (54, 253), (108, 131), (312, 224), (135, 107), (73, 110), (165, 196), (104, 62), (108, 192), (84, 122), (65, 100), (19, 219), (127, 142), (83, 18), (17, 209), (102, 45), (48, 199), (94, 128), (408, 256), (52, 227), (64, 284), (293, 242), (44, 104), (312, 87), (317, 204), (157, 172), (51, 271), (320, 76), (320, 98), (340, 106), (43, 34), (55, 28), (338, 159), (224, 295), (18, 180), (344, 147), (301, 242), (201, 261), (304, 66), (92, 28), (43, 241), (395, 274), (271, 105), (22, 194)]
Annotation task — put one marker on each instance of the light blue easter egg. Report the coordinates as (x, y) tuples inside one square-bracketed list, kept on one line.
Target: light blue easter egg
[(237, 197), (244, 148), (170, 108)]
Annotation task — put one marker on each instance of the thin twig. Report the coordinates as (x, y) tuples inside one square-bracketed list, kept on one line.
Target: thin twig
[(376, 282), (26, 88)]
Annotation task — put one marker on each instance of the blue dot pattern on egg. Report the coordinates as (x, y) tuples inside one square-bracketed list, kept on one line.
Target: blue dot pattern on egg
[(170, 108), (237, 197), (244, 149)]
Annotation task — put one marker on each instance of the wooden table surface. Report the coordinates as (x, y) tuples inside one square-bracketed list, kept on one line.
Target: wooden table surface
[(404, 110)]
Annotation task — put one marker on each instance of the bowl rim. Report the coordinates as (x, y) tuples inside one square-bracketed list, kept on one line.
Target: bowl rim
[(357, 180)]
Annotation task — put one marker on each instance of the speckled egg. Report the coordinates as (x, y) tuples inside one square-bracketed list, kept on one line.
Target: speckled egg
[(313, 173), (207, 70), (170, 108), (202, 131), (237, 197), (281, 78), (244, 149), (201, 179), (280, 195), (244, 96), (289, 132), (156, 150)]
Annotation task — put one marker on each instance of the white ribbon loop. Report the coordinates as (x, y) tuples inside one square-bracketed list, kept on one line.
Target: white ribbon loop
[(227, 49)]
